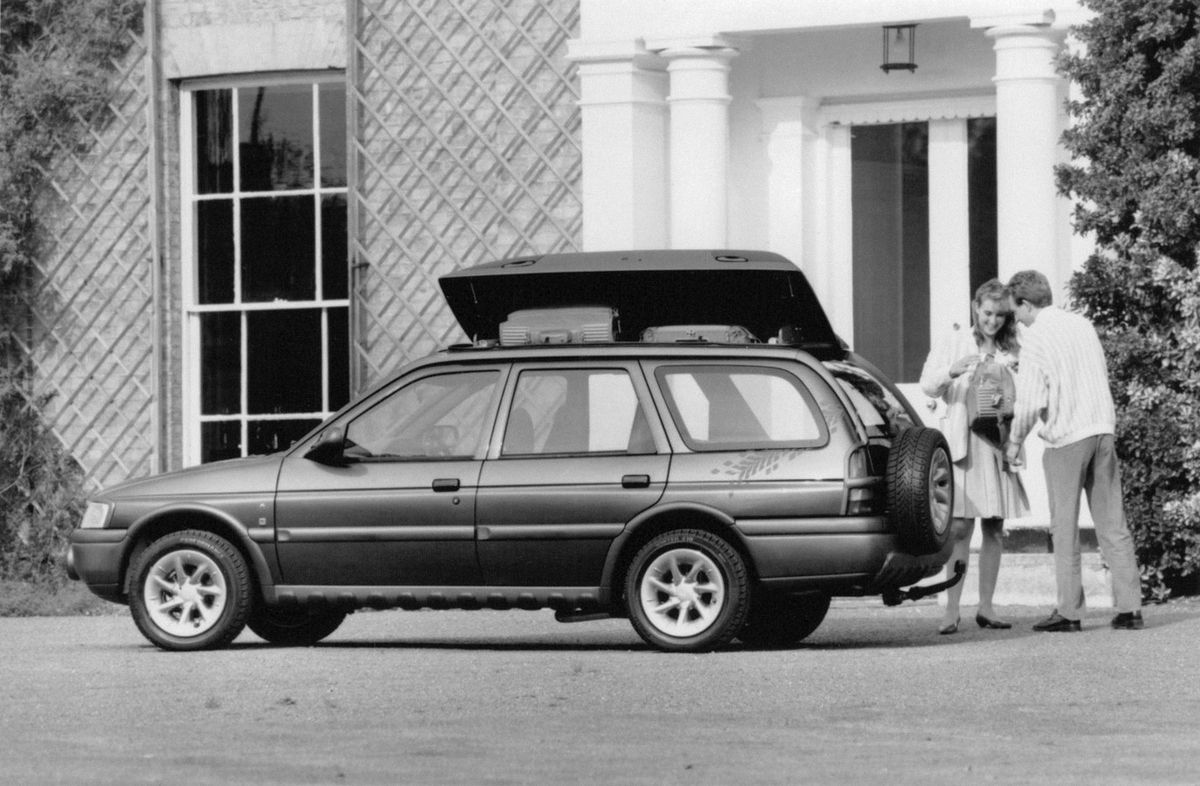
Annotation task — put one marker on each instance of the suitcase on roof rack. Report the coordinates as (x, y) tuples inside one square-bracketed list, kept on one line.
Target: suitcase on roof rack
[(706, 334), (569, 325)]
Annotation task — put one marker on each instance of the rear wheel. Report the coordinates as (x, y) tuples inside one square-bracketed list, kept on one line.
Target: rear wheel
[(780, 620), (687, 591), (920, 489), (190, 591), (293, 627)]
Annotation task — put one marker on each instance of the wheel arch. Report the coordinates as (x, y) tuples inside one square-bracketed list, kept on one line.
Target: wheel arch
[(650, 523), (159, 523)]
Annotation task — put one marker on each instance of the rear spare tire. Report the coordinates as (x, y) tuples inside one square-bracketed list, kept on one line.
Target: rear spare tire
[(920, 489)]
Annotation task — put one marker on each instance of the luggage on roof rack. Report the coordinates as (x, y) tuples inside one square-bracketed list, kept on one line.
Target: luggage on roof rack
[(711, 334), (567, 325)]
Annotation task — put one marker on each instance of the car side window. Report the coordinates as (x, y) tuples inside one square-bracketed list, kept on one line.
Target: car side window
[(741, 408), (442, 416), (575, 411)]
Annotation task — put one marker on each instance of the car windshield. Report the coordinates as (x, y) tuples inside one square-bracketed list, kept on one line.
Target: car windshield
[(880, 410)]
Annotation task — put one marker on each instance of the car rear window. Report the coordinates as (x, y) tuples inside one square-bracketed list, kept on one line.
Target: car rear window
[(741, 408), (881, 412)]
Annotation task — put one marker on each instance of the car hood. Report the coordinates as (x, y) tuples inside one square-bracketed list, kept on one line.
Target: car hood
[(758, 290), (235, 476)]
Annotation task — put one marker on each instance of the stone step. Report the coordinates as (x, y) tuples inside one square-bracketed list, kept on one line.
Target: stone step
[(1037, 539), (1027, 579)]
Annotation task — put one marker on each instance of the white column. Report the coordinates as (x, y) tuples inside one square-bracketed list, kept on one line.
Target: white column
[(1027, 131), (789, 131), (949, 226), (699, 139), (623, 112), (836, 288)]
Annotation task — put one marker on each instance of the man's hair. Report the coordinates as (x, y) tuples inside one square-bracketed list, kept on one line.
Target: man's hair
[(1032, 287)]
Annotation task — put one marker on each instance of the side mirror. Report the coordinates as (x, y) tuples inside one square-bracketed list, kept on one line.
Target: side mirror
[(329, 449)]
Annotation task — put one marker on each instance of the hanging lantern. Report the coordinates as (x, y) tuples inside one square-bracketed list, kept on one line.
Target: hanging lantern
[(899, 48)]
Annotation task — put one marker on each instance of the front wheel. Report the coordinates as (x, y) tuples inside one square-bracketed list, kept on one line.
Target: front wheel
[(190, 591), (293, 627), (687, 591)]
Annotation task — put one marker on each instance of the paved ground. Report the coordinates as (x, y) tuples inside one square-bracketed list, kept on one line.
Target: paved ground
[(514, 697)]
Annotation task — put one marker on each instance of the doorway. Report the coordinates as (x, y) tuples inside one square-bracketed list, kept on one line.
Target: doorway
[(923, 233)]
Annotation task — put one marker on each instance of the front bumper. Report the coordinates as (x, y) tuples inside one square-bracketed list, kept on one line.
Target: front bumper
[(95, 559)]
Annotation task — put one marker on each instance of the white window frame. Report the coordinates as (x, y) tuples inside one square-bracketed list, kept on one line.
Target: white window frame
[(192, 310)]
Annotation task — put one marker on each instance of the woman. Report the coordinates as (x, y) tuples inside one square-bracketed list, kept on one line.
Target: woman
[(984, 486)]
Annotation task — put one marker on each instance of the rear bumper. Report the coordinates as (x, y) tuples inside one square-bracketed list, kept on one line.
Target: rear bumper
[(850, 556)]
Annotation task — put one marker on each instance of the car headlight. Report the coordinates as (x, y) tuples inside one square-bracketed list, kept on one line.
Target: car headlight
[(96, 516)]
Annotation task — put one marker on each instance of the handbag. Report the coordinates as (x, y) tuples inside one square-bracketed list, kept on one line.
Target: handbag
[(991, 392)]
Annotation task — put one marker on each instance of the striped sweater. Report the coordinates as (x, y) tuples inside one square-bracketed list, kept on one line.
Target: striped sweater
[(1063, 380)]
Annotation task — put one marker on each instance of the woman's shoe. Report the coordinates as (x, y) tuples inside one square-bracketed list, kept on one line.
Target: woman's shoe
[(984, 622), (949, 627)]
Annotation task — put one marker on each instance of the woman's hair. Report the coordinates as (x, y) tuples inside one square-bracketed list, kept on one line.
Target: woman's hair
[(1006, 336)]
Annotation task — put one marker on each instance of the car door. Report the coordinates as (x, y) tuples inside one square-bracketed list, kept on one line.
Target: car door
[(768, 443), (579, 455), (398, 510)]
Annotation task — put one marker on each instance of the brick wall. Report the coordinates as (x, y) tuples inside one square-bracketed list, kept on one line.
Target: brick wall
[(93, 342), (468, 150)]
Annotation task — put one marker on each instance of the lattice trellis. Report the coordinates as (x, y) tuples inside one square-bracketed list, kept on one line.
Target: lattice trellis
[(466, 148), (91, 344)]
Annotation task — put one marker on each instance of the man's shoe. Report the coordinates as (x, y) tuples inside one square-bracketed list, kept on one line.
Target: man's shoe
[(1128, 620), (1057, 623)]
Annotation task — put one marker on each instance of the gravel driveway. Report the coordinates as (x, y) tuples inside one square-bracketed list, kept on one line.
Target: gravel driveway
[(514, 697)]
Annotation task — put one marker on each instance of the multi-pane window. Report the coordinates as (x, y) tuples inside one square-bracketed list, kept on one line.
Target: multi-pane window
[(265, 292)]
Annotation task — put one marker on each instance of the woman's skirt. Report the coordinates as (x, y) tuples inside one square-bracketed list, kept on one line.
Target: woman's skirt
[(982, 487)]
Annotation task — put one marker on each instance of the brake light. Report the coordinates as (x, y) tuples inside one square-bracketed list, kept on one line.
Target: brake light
[(863, 496)]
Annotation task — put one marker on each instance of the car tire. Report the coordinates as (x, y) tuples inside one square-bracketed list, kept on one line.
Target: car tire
[(293, 627), (920, 489), (190, 591), (782, 620), (687, 590)]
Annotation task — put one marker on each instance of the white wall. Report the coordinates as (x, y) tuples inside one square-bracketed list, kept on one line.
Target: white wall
[(834, 66)]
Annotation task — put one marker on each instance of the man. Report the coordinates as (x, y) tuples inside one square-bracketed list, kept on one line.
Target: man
[(1063, 380)]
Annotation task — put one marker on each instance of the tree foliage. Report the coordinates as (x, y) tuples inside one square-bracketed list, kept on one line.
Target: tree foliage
[(56, 61), (1136, 140)]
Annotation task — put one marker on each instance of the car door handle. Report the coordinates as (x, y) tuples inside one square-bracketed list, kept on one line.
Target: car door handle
[(635, 481), (446, 484)]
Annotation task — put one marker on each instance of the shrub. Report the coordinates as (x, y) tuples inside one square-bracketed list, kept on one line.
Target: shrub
[(1137, 136), (56, 60), (41, 489)]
